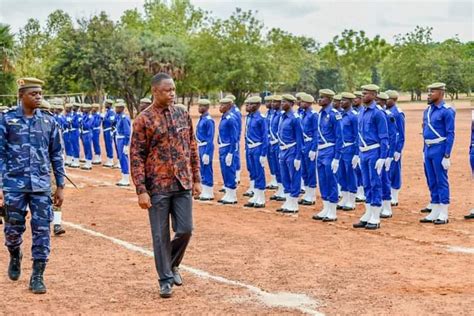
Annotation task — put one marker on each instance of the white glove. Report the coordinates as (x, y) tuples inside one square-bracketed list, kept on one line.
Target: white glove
[(126, 150), (355, 161), (263, 161), (297, 164), (205, 159), (312, 155), (228, 160), (397, 156), (388, 162), (69, 119), (334, 165), (446, 162), (379, 165)]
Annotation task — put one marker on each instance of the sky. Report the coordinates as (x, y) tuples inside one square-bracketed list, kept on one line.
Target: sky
[(321, 20)]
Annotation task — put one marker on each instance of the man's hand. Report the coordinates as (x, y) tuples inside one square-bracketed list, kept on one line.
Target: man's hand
[(379, 164), (263, 161), (335, 165), (297, 164), (58, 197), (312, 155), (205, 159), (397, 156), (144, 200), (355, 161), (1, 198), (446, 163), (228, 160), (388, 162), (196, 189)]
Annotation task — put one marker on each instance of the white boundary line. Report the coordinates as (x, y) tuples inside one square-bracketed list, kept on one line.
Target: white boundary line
[(300, 302)]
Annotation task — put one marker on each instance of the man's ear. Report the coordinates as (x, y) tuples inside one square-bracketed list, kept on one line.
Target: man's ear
[(154, 89)]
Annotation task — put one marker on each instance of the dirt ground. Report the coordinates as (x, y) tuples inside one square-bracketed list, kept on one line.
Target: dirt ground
[(247, 258)]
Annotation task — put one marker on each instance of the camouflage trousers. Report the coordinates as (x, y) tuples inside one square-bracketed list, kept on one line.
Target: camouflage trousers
[(40, 204)]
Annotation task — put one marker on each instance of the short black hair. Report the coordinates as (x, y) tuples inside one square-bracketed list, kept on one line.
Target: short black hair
[(159, 77)]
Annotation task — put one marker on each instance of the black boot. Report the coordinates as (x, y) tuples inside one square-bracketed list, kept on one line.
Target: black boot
[(14, 268), (58, 230), (37, 285)]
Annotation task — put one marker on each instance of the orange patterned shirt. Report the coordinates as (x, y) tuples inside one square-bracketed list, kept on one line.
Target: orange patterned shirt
[(163, 151)]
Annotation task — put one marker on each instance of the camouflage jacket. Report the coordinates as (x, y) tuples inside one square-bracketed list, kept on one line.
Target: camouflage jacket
[(28, 150)]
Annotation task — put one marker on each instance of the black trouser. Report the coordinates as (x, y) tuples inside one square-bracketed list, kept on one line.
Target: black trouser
[(168, 254)]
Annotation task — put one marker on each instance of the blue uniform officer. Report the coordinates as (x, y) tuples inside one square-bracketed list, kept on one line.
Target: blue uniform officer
[(329, 154), (238, 118), (357, 107), (274, 147), (227, 142), (96, 124), (256, 144), (75, 134), (122, 137), (290, 137), (108, 124), (86, 135), (30, 146), (373, 150), (273, 185), (309, 126), (438, 135), (205, 131)]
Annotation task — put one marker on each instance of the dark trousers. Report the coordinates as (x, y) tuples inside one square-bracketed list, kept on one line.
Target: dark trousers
[(169, 253)]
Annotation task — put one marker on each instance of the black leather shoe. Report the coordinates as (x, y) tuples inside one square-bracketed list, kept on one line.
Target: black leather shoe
[(372, 226), (122, 184), (317, 218), (441, 221), (271, 187), (58, 230), (177, 279), (426, 210), (348, 209), (304, 202), (360, 200), (287, 211), (394, 204), (249, 204), (206, 199), (281, 210), (280, 199), (273, 198), (228, 202), (14, 267), (339, 207), (424, 220), (259, 205), (327, 219), (302, 191), (222, 190), (37, 285), (360, 224), (469, 216), (249, 194), (385, 216), (166, 290)]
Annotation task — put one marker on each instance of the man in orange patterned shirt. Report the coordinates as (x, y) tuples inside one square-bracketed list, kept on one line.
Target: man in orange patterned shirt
[(165, 170)]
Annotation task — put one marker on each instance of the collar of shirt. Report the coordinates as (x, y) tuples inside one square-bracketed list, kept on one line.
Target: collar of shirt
[(371, 106), (439, 105), (160, 109), (19, 112), (327, 109), (288, 114)]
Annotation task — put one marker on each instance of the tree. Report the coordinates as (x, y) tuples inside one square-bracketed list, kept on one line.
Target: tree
[(7, 55)]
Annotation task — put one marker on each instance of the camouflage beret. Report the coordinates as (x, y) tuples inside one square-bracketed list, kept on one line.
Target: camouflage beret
[(29, 82), (86, 106), (371, 87), (145, 100), (225, 100), (255, 99), (204, 102), (95, 105), (392, 94), (269, 98), (299, 95), (327, 93), (358, 93), (119, 104), (288, 97), (58, 107), (109, 101), (383, 96), (230, 96), (348, 95), (437, 86), (68, 105), (120, 101), (307, 98)]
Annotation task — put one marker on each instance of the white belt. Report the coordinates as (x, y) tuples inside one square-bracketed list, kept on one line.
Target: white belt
[(97, 128), (107, 129), (347, 145), (223, 145), (85, 132), (435, 141), (308, 139), (287, 146), (119, 136), (273, 142), (72, 129), (253, 145), (201, 144), (325, 145), (370, 147)]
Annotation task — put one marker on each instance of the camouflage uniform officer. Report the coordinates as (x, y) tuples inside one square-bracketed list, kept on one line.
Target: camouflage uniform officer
[(29, 145)]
